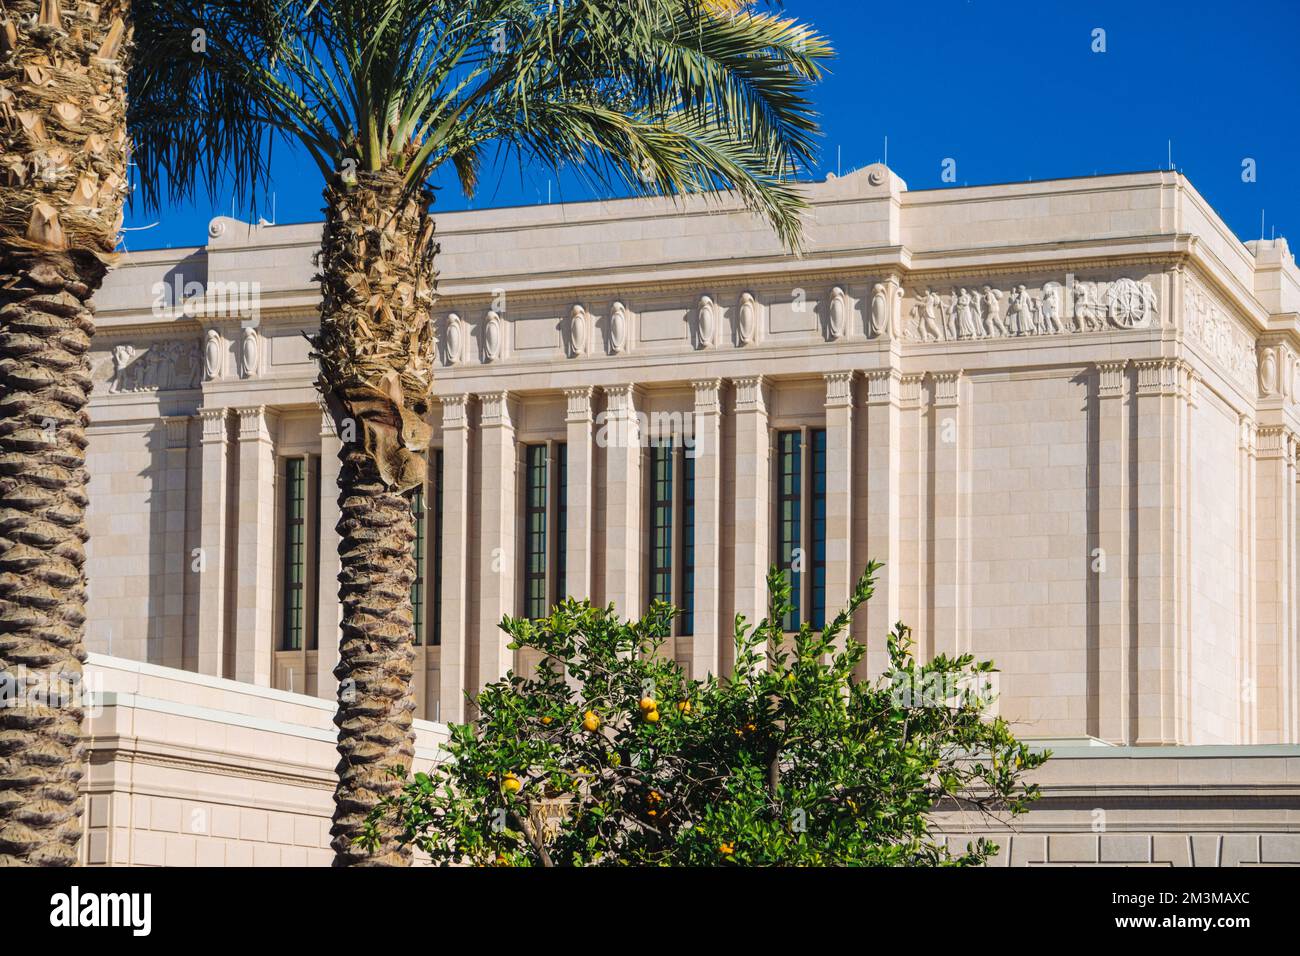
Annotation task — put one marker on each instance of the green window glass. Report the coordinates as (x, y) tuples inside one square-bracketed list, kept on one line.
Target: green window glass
[(661, 523), (437, 546), (790, 520), (535, 532), (562, 523), (295, 554), (817, 566), (686, 622), (417, 586)]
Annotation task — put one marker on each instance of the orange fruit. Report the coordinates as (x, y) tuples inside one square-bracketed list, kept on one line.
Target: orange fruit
[(653, 716), (648, 704), (590, 721)]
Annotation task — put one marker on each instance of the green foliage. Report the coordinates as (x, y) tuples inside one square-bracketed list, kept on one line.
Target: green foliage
[(611, 756), (656, 97)]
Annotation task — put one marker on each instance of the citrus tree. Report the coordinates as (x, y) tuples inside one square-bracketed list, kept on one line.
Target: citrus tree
[(611, 755)]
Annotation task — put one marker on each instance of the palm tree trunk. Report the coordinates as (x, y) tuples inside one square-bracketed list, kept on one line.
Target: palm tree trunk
[(375, 351), (62, 183)]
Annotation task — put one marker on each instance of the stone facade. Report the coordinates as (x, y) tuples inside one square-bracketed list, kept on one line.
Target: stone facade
[(1064, 413)]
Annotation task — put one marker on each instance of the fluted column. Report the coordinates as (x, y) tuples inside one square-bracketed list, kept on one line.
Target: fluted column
[(328, 612), (1109, 560), (707, 450), (623, 501), (255, 549), (578, 553), (840, 574), (453, 677), (171, 583), (210, 560), (753, 488), (878, 512), (497, 547)]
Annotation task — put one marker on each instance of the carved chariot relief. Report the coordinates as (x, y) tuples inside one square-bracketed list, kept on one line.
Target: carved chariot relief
[(984, 311)]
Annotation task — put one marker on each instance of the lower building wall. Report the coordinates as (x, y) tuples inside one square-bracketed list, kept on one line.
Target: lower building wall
[(191, 770)]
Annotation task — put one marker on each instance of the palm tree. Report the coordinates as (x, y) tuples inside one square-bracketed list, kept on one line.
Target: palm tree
[(62, 185), (658, 96)]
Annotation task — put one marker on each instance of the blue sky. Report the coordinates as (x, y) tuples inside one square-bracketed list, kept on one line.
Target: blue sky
[(1009, 90)]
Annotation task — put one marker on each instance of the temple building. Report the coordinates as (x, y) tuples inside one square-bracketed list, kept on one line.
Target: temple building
[(1063, 413)]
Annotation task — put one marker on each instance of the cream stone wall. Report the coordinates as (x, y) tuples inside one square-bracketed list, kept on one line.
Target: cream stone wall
[(1064, 413)]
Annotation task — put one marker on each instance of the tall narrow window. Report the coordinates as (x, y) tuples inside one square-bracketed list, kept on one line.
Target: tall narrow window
[(535, 532), (790, 557), (661, 523), (686, 623), (437, 547), (817, 618), (295, 555), (562, 523), (417, 586)]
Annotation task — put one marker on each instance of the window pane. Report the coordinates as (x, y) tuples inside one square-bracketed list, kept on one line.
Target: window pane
[(686, 623), (790, 506), (817, 544), (535, 532), (661, 522), (295, 554), (562, 524)]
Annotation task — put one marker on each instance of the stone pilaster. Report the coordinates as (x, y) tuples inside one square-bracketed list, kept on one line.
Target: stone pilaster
[(255, 548), (328, 611), (1275, 572), (753, 484), (453, 676), (949, 564), (1248, 655), (840, 574), (1157, 540), (497, 547), (877, 510), (579, 513), (706, 641), (1109, 560), (209, 562), (171, 583), (914, 511), (623, 502)]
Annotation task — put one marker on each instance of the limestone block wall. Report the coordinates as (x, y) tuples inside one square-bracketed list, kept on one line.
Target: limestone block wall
[(185, 769)]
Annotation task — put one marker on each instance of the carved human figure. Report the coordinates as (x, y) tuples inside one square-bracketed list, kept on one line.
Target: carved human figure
[(838, 316), (927, 308), (1051, 310), (455, 343), (491, 336), (1088, 311), (967, 327), (746, 319), (213, 348), (992, 301), (1020, 317), (122, 356), (577, 331), (617, 328)]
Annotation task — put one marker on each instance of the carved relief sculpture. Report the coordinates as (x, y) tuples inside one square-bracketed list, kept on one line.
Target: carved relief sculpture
[(248, 349), (746, 319), (617, 329), (879, 310), (491, 336), (455, 343), (163, 366), (705, 323), (213, 349), (927, 311), (838, 317), (577, 337)]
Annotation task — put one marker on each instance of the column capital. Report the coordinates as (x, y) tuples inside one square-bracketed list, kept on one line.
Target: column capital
[(578, 404), (1110, 379), (947, 388), (496, 409), (882, 386), (1274, 441), (1162, 376), (839, 389), (455, 411), (909, 390), (254, 421), (620, 400), (214, 424), (708, 396), (751, 394), (178, 430), (327, 427)]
